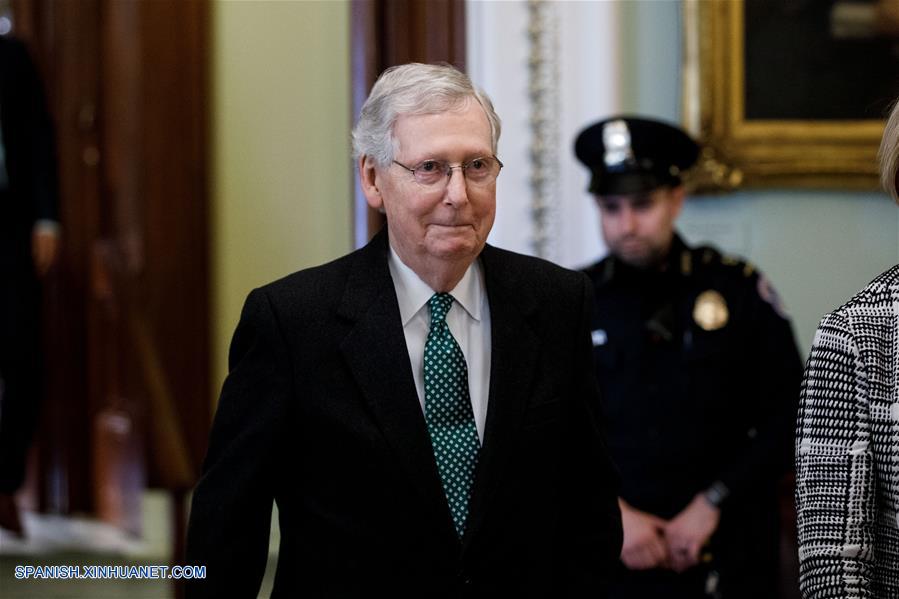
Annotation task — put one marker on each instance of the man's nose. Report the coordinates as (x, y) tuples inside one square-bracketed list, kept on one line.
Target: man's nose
[(456, 188), (628, 219)]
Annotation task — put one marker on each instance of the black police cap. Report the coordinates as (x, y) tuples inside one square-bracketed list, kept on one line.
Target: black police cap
[(628, 155)]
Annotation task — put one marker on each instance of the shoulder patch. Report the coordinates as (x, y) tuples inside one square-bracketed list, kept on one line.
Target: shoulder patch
[(769, 295)]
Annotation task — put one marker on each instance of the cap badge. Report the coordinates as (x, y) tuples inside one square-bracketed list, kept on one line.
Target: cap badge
[(616, 139), (710, 310)]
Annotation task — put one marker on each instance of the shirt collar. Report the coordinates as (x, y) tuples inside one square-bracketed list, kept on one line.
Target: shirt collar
[(412, 293)]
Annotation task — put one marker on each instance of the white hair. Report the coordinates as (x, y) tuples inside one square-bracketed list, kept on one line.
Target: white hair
[(413, 89)]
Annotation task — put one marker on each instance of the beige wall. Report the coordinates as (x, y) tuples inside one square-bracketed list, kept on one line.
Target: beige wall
[(281, 169)]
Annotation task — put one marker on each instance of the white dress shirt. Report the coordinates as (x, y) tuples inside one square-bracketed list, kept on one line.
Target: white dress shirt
[(468, 321)]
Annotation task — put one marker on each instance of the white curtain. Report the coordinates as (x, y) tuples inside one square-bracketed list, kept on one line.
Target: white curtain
[(579, 48)]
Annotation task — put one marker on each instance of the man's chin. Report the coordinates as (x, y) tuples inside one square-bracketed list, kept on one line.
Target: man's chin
[(455, 249), (638, 259)]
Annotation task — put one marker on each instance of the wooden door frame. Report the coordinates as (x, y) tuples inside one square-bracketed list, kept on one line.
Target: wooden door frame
[(391, 32), (128, 87)]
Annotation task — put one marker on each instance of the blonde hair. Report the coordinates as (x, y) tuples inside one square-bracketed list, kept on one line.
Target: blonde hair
[(888, 155)]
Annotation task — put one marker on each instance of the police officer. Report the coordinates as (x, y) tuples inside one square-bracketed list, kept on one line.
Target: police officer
[(700, 375)]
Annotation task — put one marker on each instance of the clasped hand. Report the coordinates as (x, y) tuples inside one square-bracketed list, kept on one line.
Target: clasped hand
[(652, 542)]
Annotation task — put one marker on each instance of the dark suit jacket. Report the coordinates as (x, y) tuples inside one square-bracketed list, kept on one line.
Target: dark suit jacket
[(29, 154), (28, 194), (320, 412)]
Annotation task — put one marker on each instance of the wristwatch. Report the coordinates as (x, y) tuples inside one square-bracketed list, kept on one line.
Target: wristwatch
[(716, 494)]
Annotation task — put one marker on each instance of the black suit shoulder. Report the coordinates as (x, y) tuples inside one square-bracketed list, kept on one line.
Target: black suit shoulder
[(529, 263), (317, 286), (539, 281), (14, 55), (28, 138), (313, 309)]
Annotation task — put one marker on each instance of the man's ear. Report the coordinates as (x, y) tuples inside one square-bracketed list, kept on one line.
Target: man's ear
[(368, 181), (678, 195)]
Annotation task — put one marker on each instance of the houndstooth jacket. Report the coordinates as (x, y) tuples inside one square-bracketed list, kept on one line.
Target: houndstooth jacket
[(847, 450)]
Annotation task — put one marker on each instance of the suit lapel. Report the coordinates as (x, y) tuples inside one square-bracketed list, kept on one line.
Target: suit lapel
[(512, 364), (376, 352)]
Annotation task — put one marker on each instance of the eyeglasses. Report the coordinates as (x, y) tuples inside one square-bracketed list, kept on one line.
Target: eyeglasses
[(479, 172)]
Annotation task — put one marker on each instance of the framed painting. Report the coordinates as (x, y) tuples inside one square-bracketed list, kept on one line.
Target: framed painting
[(789, 93)]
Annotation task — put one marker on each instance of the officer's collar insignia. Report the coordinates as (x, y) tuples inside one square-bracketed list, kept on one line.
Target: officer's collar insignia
[(616, 139), (686, 263), (710, 310), (608, 270), (599, 337)]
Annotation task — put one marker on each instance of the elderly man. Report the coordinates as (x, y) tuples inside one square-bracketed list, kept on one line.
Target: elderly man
[(700, 375), (423, 410)]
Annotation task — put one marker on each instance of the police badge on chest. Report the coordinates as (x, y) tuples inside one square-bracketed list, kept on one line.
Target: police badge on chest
[(710, 311)]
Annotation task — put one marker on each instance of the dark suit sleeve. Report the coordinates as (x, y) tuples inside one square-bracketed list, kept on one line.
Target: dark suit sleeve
[(231, 509), (594, 520)]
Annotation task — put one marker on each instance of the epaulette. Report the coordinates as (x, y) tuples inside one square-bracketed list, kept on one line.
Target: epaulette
[(746, 267), (709, 256)]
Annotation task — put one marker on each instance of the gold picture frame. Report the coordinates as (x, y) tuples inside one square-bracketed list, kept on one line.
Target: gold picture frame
[(739, 152)]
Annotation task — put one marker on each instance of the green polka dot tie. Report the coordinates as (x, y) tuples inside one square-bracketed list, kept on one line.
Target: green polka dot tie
[(448, 411)]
